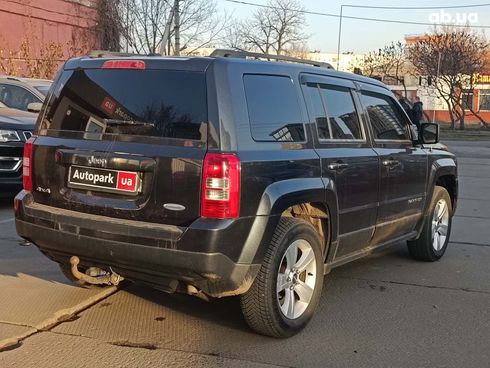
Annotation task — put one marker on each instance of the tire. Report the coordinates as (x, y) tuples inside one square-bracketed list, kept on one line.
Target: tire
[(437, 226), (285, 313)]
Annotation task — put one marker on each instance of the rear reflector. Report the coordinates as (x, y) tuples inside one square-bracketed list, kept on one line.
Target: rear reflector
[(124, 64), (220, 194), (27, 164)]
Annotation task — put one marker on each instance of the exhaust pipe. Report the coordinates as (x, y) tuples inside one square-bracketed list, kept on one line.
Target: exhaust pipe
[(94, 275)]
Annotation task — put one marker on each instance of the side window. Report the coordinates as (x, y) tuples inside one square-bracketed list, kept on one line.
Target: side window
[(273, 108), (484, 100), (16, 97), (317, 107), (387, 121), (342, 114), (334, 112)]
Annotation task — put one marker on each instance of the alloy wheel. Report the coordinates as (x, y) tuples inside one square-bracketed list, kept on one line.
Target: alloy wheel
[(440, 224), (296, 279)]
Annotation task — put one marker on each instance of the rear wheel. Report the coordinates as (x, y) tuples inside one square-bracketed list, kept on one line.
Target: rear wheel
[(288, 287), (434, 238)]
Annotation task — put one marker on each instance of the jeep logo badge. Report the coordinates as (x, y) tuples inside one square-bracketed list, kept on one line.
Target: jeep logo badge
[(92, 160)]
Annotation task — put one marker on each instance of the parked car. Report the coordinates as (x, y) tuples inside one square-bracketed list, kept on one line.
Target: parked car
[(23, 93), (15, 128), (223, 176)]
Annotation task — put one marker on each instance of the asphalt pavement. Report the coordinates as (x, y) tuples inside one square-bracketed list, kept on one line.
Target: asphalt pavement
[(385, 310)]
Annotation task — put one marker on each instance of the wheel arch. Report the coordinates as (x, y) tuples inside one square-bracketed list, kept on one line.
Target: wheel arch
[(450, 183), (313, 199), (444, 173), (316, 214)]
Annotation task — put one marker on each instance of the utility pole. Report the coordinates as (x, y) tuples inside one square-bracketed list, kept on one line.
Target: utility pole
[(177, 27), (436, 81), (127, 30), (166, 34), (340, 35)]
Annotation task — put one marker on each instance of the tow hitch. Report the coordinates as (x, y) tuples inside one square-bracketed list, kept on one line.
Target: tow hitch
[(94, 275)]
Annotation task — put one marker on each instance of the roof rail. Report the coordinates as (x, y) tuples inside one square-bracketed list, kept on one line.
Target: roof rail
[(257, 55), (105, 53)]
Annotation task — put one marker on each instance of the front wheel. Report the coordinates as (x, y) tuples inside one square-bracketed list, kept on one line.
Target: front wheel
[(287, 289), (434, 238)]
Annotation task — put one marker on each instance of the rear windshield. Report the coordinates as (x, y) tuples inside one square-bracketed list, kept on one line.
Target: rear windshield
[(157, 103)]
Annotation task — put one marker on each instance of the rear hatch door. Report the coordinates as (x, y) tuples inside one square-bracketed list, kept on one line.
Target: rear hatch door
[(124, 139)]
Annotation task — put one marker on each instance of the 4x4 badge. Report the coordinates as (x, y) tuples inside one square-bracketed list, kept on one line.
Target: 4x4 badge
[(43, 190)]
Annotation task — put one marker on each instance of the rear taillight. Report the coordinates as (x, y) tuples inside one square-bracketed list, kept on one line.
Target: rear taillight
[(220, 194), (27, 164)]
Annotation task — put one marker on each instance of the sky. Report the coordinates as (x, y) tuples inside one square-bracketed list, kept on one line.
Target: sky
[(360, 36)]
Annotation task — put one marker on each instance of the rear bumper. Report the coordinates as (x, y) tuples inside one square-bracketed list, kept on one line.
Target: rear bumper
[(176, 257)]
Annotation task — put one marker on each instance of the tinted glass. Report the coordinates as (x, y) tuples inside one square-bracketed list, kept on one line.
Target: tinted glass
[(16, 97), (273, 108), (317, 110), (43, 89), (342, 114), (385, 116), (155, 103)]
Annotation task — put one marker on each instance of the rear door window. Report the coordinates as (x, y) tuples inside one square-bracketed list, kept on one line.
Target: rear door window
[(335, 113), (386, 118), (273, 108), (158, 103), (317, 110)]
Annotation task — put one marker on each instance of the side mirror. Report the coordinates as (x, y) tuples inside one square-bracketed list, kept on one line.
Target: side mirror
[(34, 107), (429, 133)]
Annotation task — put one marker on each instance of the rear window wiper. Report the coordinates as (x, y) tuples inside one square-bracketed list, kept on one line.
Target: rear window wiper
[(127, 122)]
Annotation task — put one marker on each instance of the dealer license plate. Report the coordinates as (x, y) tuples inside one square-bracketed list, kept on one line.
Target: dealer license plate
[(104, 180)]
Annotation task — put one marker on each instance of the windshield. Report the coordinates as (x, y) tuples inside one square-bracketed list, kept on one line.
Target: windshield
[(158, 103), (43, 89)]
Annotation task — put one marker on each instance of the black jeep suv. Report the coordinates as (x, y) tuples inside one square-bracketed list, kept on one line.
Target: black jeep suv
[(221, 176)]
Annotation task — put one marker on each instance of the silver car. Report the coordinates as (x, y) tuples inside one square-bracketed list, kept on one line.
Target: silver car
[(23, 93)]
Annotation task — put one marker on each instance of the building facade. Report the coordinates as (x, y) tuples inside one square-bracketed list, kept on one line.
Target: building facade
[(32, 28), (436, 108)]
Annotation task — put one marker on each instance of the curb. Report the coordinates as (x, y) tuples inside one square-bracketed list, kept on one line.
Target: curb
[(464, 135)]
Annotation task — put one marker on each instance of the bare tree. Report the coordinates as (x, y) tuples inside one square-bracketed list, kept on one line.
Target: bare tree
[(388, 64), (202, 25), (144, 21), (272, 29), (298, 49), (144, 24), (109, 27), (449, 58)]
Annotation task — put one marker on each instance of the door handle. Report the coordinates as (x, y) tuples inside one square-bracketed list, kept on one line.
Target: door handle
[(390, 162), (337, 165)]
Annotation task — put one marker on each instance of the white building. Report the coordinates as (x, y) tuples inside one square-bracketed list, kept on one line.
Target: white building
[(343, 62)]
